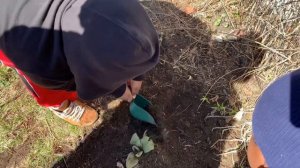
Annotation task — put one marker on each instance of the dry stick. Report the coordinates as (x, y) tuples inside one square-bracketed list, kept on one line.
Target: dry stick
[(176, 61), (265, 21), (207, 4), (223, 4), (181, 55), (274, 51), (242, 161), (281, 62), (223, 128), (287, 49), (49, 129), (174, 114), (225, 140), (217, 117), (230, 152), (291, 20), (178, 28), (287, 21), (218, 81), (174, 66), (279, 24), (232, 160), (245, 135), (229, 129), (243, 141), (296, 29), (288, 3), (248, 131), (251, 11), (65, 162), (273, 27)]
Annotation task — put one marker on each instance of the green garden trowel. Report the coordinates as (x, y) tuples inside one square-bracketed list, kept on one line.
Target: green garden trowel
[(138, 110)]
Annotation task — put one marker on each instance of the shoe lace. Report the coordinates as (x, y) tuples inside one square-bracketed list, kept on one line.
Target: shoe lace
[(74, 112)]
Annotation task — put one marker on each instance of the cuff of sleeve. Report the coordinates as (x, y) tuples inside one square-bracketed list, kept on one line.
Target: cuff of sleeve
[(120, 91), (139, 78)]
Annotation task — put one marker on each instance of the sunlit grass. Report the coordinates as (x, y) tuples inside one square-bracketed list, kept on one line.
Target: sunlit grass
[(23, 120)]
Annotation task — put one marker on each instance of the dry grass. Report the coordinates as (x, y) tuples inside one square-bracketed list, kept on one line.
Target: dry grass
[(275, 30), (276, 23)]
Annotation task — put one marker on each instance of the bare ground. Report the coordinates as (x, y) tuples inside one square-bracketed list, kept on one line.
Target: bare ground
[(193, 66)]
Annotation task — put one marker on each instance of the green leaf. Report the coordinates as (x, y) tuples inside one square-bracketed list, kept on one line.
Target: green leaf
[(135, 140), (205, 99), (139, 154), (131, 160), (148, 147), (147, 144), (218, 21), (145, 139)]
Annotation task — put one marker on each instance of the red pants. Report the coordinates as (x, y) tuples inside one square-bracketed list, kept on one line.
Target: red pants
[(44, 97)]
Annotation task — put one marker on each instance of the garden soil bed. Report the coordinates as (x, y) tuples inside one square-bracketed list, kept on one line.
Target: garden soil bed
[(192, 66)]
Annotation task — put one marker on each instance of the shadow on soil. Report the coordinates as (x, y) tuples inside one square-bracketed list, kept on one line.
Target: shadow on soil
[(191, 65)]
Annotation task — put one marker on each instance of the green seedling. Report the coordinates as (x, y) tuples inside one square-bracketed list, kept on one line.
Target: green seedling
[(205, 99), (233, 111), (220, 108), (139, 147), (218, 21), (237, 15)]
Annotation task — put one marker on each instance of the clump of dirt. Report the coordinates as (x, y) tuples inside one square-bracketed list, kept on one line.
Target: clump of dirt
[(192, 66)]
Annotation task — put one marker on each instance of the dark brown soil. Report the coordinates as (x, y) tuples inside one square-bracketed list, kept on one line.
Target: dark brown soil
[(191, 64)]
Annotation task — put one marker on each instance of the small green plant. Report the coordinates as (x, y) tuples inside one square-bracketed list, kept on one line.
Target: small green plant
[(233, 111), (218, 21), (220, 108), (139, 147), (205, 99), (237, 15)]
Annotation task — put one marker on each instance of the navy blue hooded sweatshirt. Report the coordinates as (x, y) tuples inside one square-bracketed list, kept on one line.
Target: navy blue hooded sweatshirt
[(91, 46)]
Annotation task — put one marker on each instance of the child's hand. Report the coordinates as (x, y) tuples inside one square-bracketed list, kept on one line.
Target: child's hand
[(127, 96), (135, 87)]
